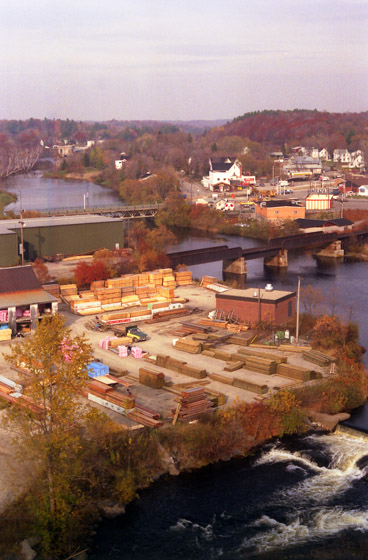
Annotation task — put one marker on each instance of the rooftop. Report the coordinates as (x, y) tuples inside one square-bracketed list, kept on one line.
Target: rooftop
[(6, 226), (251, 294)]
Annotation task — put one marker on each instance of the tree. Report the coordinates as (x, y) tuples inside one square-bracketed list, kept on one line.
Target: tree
[(41, 271), (85, 273), (48, 426), (311, 298)]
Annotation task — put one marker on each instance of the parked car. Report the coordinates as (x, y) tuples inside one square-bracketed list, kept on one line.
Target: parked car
[(289, 191)]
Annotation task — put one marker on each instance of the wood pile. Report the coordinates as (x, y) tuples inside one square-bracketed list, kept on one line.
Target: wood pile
[(193, 402), (180, 367), (188, 345), (250, 386), (216, 323), (109, 394), (318, 358), (295, 372), (267, 355), (260, 389), (240, 340), (52, 289), (68, 290), (151, 378), (206, 280), (233, 366), (145, 416), (161, 316), (5, 334), (183, 278), (261, 365)]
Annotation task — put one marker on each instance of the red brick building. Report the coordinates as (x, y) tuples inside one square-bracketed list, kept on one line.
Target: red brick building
[(253, 305)]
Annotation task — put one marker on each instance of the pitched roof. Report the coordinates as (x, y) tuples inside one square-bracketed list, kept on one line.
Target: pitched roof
[(222, 163), (306, 223), (18, 279)]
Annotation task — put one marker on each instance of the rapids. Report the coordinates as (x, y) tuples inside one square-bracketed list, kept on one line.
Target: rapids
[(299, 498)]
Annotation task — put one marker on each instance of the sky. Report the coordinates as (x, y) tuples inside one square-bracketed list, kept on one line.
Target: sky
[(180, 59)]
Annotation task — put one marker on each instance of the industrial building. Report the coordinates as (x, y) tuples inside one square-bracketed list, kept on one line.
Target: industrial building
[(65, 235), (254, 305)]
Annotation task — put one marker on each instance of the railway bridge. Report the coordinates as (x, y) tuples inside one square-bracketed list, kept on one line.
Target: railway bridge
[(275, 253)]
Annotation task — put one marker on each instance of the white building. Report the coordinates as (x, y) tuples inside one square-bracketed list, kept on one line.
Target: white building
[(316, 201), (222, 171), (323, 155)]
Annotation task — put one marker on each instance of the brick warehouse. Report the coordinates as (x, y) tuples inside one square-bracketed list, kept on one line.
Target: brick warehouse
[(253, 305)]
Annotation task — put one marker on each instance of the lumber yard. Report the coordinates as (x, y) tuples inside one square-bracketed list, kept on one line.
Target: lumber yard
[(188, 364)]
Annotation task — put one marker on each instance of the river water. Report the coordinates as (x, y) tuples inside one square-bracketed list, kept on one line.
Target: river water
[(38, 193), (296, 499)]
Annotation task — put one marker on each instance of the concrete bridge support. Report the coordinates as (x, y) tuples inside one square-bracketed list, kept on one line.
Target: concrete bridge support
[(278, 261), (334, 251), (237, 266)]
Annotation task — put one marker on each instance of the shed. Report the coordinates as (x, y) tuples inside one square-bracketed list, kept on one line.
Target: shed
[(253, 305), (22, 299)]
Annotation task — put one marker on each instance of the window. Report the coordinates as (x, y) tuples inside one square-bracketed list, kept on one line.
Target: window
[(276, 211), (290, 308)]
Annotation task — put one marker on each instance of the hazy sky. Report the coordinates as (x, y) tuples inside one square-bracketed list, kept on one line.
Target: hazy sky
[(180, 59)]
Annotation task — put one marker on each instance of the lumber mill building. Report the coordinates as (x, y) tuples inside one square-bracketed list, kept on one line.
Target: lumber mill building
[(65, 235), (22, 300), (253, 305)]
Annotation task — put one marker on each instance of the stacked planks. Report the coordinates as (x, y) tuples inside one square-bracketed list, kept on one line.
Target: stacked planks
[(318, 358), (52, 289), (188, 345), (183, 278), (250, 386), (145, 416), (295, 372), (151, 378), (206, 280), (180, 367), (193, 402)]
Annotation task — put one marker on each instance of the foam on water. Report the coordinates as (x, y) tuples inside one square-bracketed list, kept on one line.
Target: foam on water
[(319, 525), (314, 492)]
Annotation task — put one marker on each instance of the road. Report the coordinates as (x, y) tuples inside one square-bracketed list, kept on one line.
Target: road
[(194, 189)]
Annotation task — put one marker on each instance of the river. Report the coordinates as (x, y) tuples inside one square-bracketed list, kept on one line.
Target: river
[(38, 193), (296, 499)]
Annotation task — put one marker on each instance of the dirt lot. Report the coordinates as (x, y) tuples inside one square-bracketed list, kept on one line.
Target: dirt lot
[(160, 341)]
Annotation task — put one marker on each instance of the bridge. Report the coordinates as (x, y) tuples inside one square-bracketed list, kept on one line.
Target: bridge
[(275, 253), (118, 211)]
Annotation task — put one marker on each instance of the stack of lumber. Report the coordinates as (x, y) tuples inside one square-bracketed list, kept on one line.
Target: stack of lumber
[(188, 345), (244, 352), (167, 292), (233, 366), (5, 334), (169, 282), (145, 416), (241, 383), (67, 290), (296, 372), (155, 277), (183, 278), (206, 280), (168, 314), (239, 340), (258, 388), (151, 378), (97, 284), (53, 289), (129, 300), (318, 358), (217, 323), (110, 298), (118, 341), (193, 402), (261, 365), (179, 366)]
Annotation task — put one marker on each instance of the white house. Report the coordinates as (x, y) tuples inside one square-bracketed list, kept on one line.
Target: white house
[(222, 171), (323, 154), (341, 156), (121, 161), (357, 160)]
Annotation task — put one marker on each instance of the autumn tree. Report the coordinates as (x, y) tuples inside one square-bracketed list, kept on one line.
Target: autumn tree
[(41, 271), (47, 429), (85, 273)]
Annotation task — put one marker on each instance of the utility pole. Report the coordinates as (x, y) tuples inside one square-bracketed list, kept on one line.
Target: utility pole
[(21, 228), (297, 311)]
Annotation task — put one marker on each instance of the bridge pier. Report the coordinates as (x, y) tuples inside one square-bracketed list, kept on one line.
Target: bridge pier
[(334, 251), (235, 266), (278, 261)]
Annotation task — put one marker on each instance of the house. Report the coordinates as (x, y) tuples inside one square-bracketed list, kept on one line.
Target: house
[(222, 171), (280, 210), (341, 156), (119, 163), (303, 167), (253, 305), (323, 154), (318, 201), (22, 299)]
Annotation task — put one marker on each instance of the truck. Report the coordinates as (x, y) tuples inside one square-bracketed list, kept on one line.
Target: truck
[(131, 331)]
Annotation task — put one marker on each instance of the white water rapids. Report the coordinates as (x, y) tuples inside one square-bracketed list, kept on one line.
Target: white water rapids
[(312, 518)]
